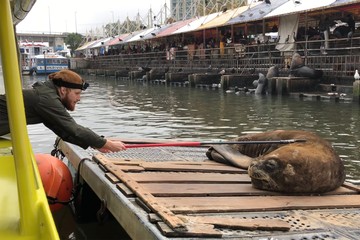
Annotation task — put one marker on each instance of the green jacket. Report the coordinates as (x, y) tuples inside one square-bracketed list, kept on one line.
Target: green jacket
[(43, 105)]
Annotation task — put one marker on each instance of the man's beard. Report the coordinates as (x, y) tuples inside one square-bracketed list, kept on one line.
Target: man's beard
[(68, 105)]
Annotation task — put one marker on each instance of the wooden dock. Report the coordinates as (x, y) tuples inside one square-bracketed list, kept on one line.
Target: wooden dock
[(177, 193)]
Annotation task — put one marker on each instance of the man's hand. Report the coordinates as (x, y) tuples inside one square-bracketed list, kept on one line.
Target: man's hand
[(112, 146)]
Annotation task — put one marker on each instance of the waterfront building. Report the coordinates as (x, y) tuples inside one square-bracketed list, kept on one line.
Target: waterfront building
[(55, 41), (31, 45)]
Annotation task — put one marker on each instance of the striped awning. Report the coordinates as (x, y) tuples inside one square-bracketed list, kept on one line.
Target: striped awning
[(174, 27), (117, 40), (223, 17), (198, 22)]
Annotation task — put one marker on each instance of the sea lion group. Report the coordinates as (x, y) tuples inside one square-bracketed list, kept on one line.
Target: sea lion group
[(306, 167), (297, 68), (261, 83)]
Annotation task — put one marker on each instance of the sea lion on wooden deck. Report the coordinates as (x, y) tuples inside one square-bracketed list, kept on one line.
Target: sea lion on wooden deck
[(298, 168)]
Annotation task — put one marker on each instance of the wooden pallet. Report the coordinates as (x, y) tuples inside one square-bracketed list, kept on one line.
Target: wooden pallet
[(195, 198)]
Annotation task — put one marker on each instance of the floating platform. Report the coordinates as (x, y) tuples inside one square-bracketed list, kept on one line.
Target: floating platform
[(177, 193), (326, 97)]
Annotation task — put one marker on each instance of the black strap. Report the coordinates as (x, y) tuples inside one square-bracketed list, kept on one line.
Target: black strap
[(61, 83)]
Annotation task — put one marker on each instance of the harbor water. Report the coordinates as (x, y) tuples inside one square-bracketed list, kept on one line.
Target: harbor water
[(134, 109)]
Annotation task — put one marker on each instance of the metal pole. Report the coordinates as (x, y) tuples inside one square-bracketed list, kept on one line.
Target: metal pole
[(197, 144), (75, 23), (49, 20)]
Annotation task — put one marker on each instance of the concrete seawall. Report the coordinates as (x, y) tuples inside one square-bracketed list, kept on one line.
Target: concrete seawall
[(304, 87)]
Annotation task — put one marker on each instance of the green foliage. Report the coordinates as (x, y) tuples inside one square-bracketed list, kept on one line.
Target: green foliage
[(73, 41)]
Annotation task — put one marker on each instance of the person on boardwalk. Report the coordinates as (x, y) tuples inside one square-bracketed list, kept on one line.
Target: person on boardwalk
[(351, 23), (47, 102)]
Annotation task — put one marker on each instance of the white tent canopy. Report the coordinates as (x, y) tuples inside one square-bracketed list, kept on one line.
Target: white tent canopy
[(140, 35), (292, 6)]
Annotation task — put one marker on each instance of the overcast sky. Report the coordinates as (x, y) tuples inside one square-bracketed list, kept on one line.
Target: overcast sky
[(83, 15)]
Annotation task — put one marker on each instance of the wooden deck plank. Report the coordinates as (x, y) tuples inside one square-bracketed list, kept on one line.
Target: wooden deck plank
[(193, 230), (165, 166), (171, 219), (112, 178), (217, 189), (125, 190), (258, 203), (188, 166), (121, 161), (240, 223), (194, 177), (200, 189), (169, 167), (127, 168)]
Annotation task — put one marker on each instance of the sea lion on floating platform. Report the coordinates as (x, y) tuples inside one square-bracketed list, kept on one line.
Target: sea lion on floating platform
[(298, 69), (297, 168), (262, 83), (307, 72), (296, 61), (272, 72)]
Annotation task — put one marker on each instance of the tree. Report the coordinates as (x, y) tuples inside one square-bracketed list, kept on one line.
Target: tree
[(73, 41)]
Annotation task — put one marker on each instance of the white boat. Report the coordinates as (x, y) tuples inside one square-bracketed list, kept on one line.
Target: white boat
[(29, 50), (47, 63)]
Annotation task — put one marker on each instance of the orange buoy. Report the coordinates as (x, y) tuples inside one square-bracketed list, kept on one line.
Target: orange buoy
[(56, 179)]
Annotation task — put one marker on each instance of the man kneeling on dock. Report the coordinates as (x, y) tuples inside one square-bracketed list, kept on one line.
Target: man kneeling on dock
[(47, 102)]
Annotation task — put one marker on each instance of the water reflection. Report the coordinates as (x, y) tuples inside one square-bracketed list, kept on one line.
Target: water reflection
[(120, 108)]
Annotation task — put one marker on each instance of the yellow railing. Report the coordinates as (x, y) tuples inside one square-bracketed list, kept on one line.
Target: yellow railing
[(35, 217)]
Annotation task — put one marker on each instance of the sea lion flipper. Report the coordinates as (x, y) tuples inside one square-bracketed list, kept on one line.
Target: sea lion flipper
[(214, 155), (226, 154)]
